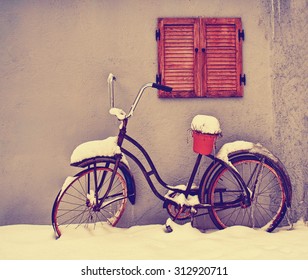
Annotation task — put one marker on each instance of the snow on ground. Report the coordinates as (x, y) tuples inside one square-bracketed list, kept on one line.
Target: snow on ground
[(150, 242)]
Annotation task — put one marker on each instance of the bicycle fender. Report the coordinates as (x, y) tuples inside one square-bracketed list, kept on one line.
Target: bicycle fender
[(131, 187), (232, 149), (224, 156), (240, 147)]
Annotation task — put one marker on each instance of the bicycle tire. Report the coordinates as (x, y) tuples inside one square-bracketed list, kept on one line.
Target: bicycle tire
[(75, 204), (269, 201)]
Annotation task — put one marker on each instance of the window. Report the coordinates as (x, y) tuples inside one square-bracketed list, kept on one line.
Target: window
[(200, 57)]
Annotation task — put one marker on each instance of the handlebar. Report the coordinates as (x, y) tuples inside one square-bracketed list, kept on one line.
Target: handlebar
[(162, 87), (112, 78), (110, 81)]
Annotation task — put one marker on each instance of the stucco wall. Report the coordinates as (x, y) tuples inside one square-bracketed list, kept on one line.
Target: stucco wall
[(54, 60), (289, 63)]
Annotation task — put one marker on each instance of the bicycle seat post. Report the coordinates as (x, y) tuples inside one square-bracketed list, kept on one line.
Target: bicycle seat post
[(193, 174)]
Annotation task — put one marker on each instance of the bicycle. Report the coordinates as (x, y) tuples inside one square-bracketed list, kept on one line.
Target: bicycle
[(245, 184)]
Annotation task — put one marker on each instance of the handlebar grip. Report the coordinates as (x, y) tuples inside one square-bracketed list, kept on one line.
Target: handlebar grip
[(162, 87)]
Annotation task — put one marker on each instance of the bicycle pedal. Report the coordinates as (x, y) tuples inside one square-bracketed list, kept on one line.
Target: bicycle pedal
[(168, 228), (193, 211)]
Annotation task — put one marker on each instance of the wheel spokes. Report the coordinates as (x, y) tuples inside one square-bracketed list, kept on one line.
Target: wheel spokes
[(81, 203)]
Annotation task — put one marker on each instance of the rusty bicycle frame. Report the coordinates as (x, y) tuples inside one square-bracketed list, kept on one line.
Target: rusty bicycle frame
[(122, 135), (201, 197)]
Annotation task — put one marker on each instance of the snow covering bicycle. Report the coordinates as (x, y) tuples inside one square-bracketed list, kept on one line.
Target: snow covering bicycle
[(245, 184)]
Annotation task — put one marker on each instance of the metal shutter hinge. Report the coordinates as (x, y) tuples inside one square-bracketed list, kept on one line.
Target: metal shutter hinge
[(158, 79), (157, 34), (241, 35), (243, 80)]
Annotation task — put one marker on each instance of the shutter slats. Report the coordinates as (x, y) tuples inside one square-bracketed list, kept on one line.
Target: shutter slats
[(220, 61), (178, 57)]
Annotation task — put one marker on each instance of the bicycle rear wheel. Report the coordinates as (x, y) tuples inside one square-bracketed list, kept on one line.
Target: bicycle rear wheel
[(78, 203), (268, 195)]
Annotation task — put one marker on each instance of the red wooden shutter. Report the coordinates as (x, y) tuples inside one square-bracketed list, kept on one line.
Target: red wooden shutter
[(177, 56), (222, 49), (200, 57)]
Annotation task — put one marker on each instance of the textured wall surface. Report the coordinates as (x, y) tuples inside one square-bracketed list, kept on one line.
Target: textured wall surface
[(289, 22), (54, 61)]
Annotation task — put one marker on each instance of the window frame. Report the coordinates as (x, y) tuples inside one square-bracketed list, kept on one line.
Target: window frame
[(229, 36)]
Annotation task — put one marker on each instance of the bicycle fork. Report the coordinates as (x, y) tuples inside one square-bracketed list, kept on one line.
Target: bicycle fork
[(98, 185)]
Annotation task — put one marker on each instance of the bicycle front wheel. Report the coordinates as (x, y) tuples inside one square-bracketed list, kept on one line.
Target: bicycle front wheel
[(268, 189), (88, 200)]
